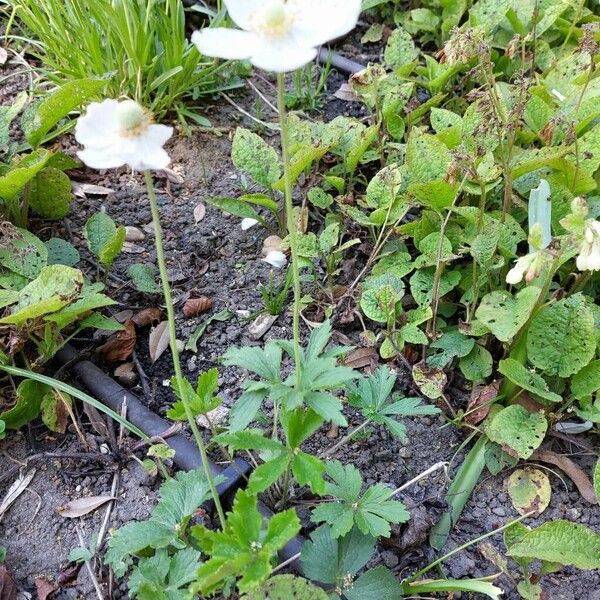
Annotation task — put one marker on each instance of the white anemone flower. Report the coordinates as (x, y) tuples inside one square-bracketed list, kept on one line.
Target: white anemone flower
[(589, 253), (278, 35), (247, 223), (117, 133), (276, 259)]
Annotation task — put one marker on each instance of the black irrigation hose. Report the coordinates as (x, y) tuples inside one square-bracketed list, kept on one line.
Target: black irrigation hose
[(187, 457)]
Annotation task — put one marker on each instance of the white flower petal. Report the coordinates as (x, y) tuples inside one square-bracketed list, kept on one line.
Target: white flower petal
[(100, 158), (276, 259), (142, 155), (515, 275), (243, 11), (582, 259), (319, 21), (99, 121), (247, 223), (230, 44), (281, 56)]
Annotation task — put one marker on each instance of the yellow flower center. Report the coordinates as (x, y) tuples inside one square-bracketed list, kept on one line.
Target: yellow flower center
[(132, 118), (275, 20)]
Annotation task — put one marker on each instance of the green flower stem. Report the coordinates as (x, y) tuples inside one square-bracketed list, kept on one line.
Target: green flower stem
[(291, 221), (160, 255)]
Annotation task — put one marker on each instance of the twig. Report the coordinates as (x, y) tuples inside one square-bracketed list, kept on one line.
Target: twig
[(143, 377), (105, 521), (88, 566)]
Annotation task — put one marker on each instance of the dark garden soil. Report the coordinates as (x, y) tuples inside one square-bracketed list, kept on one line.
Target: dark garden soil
[(215, 258)]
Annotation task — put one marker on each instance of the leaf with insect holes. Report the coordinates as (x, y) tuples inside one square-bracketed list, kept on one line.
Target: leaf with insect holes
[(518, 431), (561, 338), (21, 251), (105, 240), (9, 113), (504, 314), (284, 587), (252, 155), (372, 511), (529, 491), (400, 50), (201, 400), (180, 497), (244, 547), (587, 381)]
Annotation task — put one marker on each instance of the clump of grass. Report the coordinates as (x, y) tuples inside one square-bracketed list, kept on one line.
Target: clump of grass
[(140, 45)]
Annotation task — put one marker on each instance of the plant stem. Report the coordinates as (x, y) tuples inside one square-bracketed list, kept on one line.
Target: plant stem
[(345, 439), (291, 222), (160, 256)]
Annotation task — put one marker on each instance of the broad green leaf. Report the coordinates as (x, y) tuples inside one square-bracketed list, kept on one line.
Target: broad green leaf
[(252, 155), (421, 285), (319, 198), (561, 339), (55, 287), (61, 252), (436, 195), (526, 379), (517, 430), (427, 158), (89, 300), (285, 587), (50, 194), (529, 491), (236, 207), (378, 583), (21, 172), (8, 114), (400, 50), (42, 116), (104, 239), (452, 343), (597, 479), (265, 475), (477, 365), (384, 187), (488, 13), (504, 314), (8, 297), (21, 251), (560, 542), (308, 470), (586, 381), (143, 278), (29, 397)]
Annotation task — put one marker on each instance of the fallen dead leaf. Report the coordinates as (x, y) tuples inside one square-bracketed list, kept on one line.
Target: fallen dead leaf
[(119, 346), (171, 175), (481, 402), (82, 190), (14, 491), (363, 358), (83, 506), (575, 473), (199, 212), (147, 316), (123, 315), (96, 420), (346, 93), (8, 586), (159, 340), (44, 587), (3, 56), (68, 576), (123, 369), (197, 306)]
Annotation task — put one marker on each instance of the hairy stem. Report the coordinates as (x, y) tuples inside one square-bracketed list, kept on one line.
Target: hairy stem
[(291, 222), (162, 266)]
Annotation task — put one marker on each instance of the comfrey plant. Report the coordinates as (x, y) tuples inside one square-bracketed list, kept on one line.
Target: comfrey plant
[(117, 133)]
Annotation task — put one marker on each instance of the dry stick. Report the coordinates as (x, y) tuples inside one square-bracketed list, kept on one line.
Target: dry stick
[(104, 526), (88, 566), (432, 469), (345, 439)]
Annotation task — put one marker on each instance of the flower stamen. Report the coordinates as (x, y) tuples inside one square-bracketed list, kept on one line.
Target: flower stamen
[(274, 21), (133, 119)]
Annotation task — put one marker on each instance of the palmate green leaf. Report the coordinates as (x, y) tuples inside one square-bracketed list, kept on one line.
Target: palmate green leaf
[(55, 287), (560, 542), (265, 475), (527, 380), (240, 550), (42, 116), (251, 439), (252, 155), (164, 577), (504, 314), (264, 362), (179, 498), (308, 470), (561, 339), (327, 405), (517, 430), (372, 513)]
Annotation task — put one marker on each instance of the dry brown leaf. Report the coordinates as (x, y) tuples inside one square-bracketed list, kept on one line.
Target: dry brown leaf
[(84, 189), (119, 346), (159, 340), (68, 576), (15, 490), (96, 420), (346, 93), (8, 586), (44, 587), (83, 506), (575, 473), (199, 212), (123, 315), (197, 306), (147, 316), (481, 402), (363, 358)]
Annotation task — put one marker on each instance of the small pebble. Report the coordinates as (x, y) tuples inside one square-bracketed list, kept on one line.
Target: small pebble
[(133, 234)]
